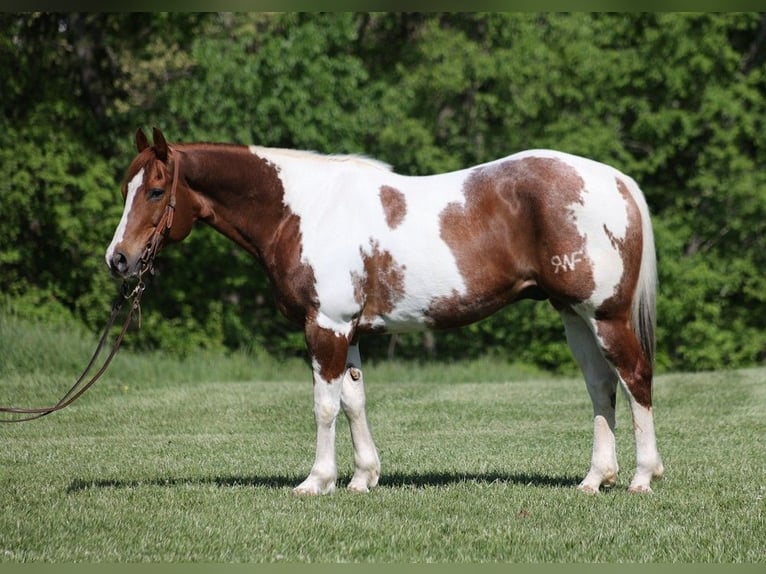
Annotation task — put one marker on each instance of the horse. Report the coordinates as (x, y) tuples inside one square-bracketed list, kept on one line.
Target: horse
[(352, 248)]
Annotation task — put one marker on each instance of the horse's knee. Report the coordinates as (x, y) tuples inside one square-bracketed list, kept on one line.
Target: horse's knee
[(326, 401), (326, 413)]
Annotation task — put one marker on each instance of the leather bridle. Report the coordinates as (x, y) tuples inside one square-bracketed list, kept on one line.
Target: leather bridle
[(162, 228), (127, 292)]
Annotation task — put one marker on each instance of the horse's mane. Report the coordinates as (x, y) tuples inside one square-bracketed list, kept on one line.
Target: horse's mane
[(302, 154)]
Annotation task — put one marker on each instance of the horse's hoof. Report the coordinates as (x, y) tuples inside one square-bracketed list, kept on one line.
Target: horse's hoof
[(588, 488), (313, 488), (640, 489), (359, 487)]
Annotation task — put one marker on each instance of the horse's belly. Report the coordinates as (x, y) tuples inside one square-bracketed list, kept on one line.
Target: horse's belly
[(404, 303)]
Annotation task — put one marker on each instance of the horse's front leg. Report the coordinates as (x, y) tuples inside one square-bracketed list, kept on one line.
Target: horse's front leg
[(328, 351), (352, 399)]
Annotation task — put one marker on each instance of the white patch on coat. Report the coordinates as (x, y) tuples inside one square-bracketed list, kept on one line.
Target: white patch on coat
[(119, 233), (341, 217), (604, 209)]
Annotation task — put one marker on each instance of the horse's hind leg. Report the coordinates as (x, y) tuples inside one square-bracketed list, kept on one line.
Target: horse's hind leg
[(601, 381), (366, 461), (608, 351), (623, 350)]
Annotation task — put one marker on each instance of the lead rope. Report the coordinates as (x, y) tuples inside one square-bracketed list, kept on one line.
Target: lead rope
[(126, 294), (79, 387)]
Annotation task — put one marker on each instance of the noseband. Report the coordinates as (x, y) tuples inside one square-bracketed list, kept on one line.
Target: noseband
[(126, 293)]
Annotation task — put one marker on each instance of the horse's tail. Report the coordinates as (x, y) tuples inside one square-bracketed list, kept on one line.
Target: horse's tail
[(644, 312)]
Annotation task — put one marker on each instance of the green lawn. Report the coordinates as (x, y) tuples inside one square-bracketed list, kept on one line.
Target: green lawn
[(187, 461)]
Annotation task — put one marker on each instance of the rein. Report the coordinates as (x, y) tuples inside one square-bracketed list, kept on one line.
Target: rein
[(18, 414)]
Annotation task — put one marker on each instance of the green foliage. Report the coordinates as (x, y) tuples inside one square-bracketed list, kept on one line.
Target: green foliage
[(57, 208), (677, 100)]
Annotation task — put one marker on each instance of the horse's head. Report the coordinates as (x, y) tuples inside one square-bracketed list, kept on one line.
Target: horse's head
[(156, 209)]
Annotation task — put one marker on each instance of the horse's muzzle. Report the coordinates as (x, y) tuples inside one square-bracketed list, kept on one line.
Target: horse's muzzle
[(120, 266)]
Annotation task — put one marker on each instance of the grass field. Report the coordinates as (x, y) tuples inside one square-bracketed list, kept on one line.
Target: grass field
[(195, 461)]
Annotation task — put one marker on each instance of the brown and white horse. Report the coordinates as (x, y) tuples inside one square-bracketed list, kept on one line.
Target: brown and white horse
[(352, 248)]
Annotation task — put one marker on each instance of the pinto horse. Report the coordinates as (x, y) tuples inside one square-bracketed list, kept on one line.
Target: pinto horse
[(352, 248)]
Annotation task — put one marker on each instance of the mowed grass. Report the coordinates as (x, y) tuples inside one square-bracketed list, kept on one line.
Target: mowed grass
[(195, 460)]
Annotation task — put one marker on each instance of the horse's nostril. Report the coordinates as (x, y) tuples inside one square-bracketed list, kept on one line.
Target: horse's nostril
[(119, 262)]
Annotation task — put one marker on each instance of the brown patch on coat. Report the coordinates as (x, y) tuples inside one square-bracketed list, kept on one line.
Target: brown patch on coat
[(247, 205), (381, 285), (515, 218), (394, 205), (245, 202), (328, 348), (624, 352), (247, 190), (292, 280), (242, 196)]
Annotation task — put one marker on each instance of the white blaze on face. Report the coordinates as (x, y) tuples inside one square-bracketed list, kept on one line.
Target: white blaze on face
[(119, 233)]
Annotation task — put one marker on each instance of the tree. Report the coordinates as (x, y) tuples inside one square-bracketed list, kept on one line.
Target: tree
[(675, 100)]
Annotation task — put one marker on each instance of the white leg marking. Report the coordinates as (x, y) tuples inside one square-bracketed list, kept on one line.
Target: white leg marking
[(648, 461), (323, 474), (366, 460), (601, 381), (119, 233)]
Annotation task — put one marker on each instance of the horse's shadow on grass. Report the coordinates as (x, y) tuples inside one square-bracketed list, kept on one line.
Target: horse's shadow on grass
[(394, 480)]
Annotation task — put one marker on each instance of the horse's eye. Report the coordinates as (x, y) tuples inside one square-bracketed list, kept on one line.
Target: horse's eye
[(156, 193)]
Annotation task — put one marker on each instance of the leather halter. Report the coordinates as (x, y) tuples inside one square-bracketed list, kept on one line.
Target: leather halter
[(125, 294)]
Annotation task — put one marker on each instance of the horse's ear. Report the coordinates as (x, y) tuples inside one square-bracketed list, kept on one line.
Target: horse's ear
[(141, 142), (160, 145)]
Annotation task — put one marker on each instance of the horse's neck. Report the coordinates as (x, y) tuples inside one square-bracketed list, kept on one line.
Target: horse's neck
[(247, 191), (238, 194)]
